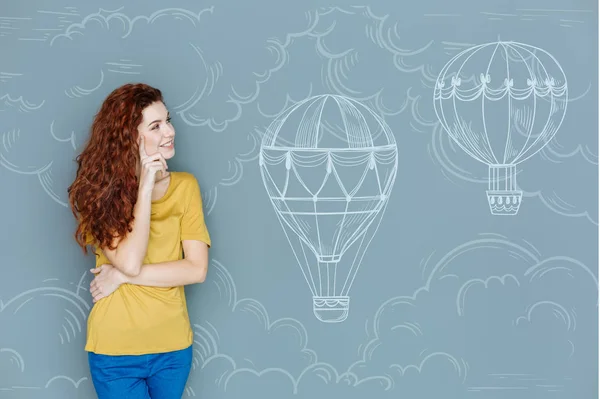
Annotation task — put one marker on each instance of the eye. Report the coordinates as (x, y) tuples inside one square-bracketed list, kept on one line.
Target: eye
[(155, 127), (169, 119)]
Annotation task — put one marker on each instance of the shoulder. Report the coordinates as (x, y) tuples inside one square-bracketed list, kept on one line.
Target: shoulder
[(186, 182), (185, 177), (186, 190)]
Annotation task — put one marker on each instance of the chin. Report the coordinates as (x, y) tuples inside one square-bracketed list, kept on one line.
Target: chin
[(168, 153)]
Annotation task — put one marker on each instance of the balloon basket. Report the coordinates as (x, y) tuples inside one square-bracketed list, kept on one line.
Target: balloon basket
[(504, 202), (331, 309)]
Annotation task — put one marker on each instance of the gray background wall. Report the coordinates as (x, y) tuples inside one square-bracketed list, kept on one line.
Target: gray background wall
[(449, 300)]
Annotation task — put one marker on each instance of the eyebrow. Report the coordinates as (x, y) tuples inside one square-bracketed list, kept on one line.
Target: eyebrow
[(158, 120)]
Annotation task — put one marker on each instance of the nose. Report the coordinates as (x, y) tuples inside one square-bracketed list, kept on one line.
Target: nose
[(169, 131)]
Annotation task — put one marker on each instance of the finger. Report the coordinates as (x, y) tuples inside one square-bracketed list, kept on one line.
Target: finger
[(97, 290), (157, 156), (142, 148), (162, 159), (99, 295), (96, 270), (163, 165), (155, 166)]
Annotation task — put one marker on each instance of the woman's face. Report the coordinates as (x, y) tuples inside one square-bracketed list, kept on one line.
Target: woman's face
[(156, 128)]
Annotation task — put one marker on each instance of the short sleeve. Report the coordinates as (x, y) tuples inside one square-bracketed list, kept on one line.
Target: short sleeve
[(193, 226)]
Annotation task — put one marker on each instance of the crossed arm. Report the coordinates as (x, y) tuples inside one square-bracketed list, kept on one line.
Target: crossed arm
[(190, 270), (126, 260)]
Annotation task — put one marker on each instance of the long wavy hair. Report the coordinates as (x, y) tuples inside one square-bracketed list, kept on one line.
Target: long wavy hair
[(105, 188)]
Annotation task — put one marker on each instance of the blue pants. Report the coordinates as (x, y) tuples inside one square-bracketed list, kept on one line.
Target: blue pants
[(159, 375)]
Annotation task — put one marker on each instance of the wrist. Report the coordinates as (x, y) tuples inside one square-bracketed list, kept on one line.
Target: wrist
[(144, 192), (123, 278)]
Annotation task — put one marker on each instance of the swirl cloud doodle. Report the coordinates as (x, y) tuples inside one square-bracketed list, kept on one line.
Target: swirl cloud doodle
[(242, 350), (37, 94), (55, 316), (466, 328), (478, 314)]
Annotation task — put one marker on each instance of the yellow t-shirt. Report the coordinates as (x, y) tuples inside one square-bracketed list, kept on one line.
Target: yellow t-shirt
[(140, 319)]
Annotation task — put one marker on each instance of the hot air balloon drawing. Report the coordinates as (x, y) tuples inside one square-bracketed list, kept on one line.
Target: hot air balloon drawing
[(501, 103), (328, 164)]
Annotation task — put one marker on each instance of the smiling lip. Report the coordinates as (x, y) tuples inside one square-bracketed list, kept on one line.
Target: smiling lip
[(168, 144)]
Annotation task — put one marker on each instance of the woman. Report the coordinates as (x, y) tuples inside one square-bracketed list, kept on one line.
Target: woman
[(147, 227)]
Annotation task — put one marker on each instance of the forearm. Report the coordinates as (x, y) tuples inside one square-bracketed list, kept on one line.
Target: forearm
[(169, 274), (131, 250)]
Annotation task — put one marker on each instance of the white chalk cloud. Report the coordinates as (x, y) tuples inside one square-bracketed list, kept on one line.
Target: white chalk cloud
[(502, 309), (492, 315), (42, 339), (50, 104)]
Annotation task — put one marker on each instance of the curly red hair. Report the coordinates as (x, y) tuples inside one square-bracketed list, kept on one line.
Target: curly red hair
[(105, 189)]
